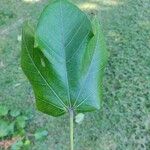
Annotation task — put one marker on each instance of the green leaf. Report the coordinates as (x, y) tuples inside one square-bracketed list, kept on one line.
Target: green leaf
[(17, 146), (11, 127), (21, 121), (14, 113), (4, 128), (3, 110), (20, 132), (27, 143), (64, 59), (40, 134)]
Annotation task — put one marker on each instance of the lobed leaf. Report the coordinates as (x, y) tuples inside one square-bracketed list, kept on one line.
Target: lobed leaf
[(64, 59)]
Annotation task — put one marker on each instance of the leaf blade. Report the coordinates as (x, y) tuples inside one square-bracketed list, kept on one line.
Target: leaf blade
[(28, 54), (68, 62)]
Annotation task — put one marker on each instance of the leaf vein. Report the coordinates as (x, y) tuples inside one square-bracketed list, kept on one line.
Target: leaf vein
[(62, 103)]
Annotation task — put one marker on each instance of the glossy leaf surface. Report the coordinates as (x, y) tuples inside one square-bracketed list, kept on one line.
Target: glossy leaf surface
[(64, 60)]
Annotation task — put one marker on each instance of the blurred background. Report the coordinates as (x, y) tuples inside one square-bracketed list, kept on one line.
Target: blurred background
[(123, 123)]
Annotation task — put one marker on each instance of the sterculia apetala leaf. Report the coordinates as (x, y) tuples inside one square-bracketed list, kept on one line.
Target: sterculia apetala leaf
[(64, 59)]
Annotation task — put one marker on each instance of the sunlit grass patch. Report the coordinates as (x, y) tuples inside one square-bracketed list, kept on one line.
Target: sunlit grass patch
[(31, 1), (112, 2), (88, 6)]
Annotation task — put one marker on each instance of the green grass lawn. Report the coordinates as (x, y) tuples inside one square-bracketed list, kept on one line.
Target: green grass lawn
[(123, 123)]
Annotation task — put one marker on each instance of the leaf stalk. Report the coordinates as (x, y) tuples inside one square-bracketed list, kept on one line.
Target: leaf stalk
[(71, 114)]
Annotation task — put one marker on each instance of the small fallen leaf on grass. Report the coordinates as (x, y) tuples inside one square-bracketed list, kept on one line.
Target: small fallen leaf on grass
[(79, 118)]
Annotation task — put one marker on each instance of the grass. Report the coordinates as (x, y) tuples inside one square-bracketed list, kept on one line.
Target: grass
[(123, 123)]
